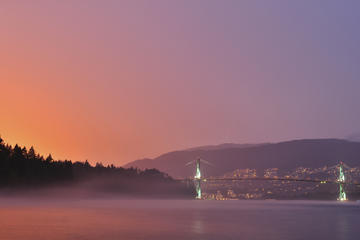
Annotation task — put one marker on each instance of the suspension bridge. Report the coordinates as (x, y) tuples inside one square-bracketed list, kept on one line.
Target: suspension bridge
[(198, 179)]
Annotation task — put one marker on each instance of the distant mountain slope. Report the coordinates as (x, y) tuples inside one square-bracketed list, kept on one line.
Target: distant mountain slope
[(354, 137), (312, 153), (147, 162), (224, 146)]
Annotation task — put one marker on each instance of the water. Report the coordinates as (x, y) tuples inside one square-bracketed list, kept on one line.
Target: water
[(177, 219)]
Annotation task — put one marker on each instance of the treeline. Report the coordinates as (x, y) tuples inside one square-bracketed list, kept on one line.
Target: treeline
[(22, 167)]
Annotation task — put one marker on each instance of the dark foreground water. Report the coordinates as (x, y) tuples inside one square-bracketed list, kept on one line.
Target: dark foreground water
[(177, 219)]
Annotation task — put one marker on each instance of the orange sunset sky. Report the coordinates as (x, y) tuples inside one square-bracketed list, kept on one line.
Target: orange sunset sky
[(114, 81)]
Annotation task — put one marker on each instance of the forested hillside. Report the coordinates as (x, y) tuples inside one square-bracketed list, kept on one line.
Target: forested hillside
[(25, 168)]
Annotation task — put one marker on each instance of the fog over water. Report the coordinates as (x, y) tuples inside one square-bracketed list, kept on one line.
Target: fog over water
[(37, 219)]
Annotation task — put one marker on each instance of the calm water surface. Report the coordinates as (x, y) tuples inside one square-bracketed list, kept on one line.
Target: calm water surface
[(177, 219)]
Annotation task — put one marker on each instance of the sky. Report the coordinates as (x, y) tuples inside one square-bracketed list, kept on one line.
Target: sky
[(115, 81)]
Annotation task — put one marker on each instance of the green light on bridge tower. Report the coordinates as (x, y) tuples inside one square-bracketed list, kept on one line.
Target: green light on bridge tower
[(197, 179), (198, 172), (198, 188), (341, 181)]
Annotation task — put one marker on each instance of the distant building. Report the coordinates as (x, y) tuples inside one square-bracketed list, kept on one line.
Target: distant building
[(271, 172)]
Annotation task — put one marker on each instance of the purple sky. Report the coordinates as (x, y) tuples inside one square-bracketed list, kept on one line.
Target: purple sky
[(114, 81)]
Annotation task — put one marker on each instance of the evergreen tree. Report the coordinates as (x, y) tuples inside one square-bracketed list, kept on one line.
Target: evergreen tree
[(31, 153), (49, 159)]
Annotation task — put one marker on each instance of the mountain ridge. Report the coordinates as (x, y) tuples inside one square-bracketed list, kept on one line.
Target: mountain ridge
[(284, 155)]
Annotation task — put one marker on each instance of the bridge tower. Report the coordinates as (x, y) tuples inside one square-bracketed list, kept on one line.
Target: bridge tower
[(197, 179), (341, 181)]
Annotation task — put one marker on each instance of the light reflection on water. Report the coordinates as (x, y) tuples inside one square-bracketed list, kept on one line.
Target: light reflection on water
[(177, 219)]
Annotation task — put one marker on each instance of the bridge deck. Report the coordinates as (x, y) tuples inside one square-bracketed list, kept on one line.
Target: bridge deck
[(270, 179)]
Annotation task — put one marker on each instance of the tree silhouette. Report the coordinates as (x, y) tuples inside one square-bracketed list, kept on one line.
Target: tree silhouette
[(20, 167), (49, 158)]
